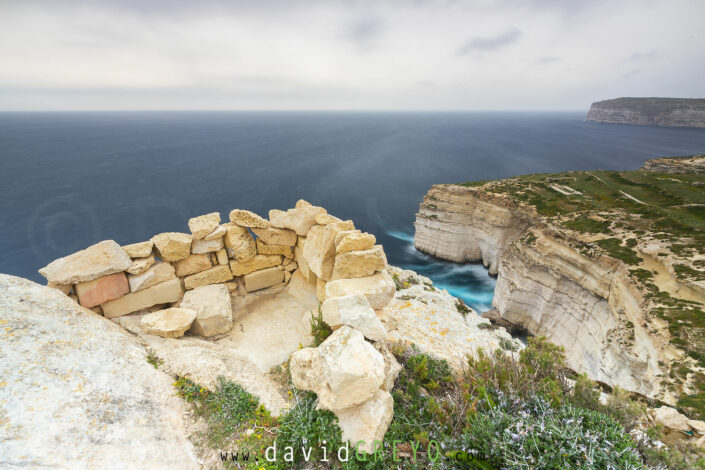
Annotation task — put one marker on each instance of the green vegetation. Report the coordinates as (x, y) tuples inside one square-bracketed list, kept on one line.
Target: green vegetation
[(462, 308), (516, 410), (614, 248), (153, 359), (587, 225), (320, 330)]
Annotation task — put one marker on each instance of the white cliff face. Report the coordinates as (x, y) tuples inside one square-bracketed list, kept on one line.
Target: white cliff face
[(669, 112), (460, 224), (587, 305), (584, 302)]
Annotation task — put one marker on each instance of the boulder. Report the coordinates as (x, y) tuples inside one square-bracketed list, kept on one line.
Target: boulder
[(165, 292), (355, 242), (139, 250), (101, 259), (378, 288), (209, 276), (158, 273), (140, 265), (172, 246), (355, 264), (245, 218), (299, 219), (239, 243), (392, 368), (222, 256), (319, 249), (199, 247), (368, 422), (168, 323), (192, 265), (353, 310), (203, 225), (240, 268), (671, 418), (284, 250), (98, 291), (344, 371), (77, 391), (214, 314), (263, 278), (276, 236), (217, 232), (325, 219)]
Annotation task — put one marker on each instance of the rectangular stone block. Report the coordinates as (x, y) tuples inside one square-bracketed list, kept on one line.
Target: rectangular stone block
[(240, 268), (211, 276), (206, 246), (222, 257), (263, 278), (165, 292), (101, 290), (276, 236), (160, 271), (192, 265), (264, 249)]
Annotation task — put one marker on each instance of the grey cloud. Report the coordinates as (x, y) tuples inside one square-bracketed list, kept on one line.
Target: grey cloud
[(490, 43), (643, 56), (365, 30), (548, 59)]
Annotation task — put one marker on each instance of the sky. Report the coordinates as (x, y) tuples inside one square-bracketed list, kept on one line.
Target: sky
[(346, 55)]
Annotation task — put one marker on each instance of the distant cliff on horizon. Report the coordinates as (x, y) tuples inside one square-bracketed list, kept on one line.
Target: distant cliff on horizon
[(668, 112)]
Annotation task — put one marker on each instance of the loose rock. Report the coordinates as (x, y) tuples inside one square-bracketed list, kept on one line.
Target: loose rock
[(206, 246), (378, 288), (213, 309), (168, 323), (172, 246), (101, 259), (158, 273), (276, 236), (165, 292), (139, 250), (245, 218), (203, 225), (210, 276), (140, 265), (239, 243), (263, 278), (355, 264), (98, 291), (353, 310), (355, 242), (192, 265), (300, 219)]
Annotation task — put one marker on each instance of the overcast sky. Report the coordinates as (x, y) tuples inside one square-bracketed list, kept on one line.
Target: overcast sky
[(389, 55)]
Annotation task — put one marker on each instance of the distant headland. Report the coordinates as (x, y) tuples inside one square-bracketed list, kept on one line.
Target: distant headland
[(668, 112)]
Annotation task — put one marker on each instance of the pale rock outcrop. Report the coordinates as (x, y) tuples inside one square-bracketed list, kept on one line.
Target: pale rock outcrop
[(671, 418), (165, 292), (98, 291), (240, 268), (203, 225), (355, 241), (265, 249), (159, 272), (276, 236), (368, 422), (214, 314), (378, 288), (199, 247), (428, 317), (263, 278), (101, 259), (392, 368), (245, 218), (460, 224), (77, 391), (140, 265), (192, 265), (239, 243), (670, 112), (344, 371), (172, 246), (139, 250), (353, 310), (299, 219), (325, 219), (217, 232), (319, 249), (213, 275), (354, 264), (168, 323)]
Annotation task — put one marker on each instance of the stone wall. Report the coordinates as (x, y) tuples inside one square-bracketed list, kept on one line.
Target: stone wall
[(186, 282)]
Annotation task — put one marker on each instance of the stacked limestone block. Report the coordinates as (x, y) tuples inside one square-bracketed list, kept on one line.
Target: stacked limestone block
[(186, 281)]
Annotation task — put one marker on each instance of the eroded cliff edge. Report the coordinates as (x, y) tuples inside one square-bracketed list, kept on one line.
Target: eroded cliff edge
[(668, 112), (611, 265)]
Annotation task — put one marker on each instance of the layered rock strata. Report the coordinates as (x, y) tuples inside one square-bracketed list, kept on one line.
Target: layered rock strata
[(670, 112)]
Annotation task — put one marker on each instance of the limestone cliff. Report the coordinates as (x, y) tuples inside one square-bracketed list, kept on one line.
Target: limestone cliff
[(691, 164), (669, 112), (605, 264)]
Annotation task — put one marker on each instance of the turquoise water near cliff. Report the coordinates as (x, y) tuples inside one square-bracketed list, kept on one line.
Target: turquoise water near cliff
[(68, 180)]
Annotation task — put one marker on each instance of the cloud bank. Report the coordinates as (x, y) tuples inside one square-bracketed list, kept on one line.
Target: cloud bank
[(359, 54)]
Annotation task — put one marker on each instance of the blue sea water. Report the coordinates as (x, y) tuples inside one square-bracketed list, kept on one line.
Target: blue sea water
[(68, 180)]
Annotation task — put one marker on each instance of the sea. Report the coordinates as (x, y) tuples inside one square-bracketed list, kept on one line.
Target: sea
[(71, 179)]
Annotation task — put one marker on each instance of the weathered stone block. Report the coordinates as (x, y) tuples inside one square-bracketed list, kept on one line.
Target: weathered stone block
[(172, 246), (239, 242), (166, 292), (210, 276), (355, 264), (213, 309), (193, 264), (258, 262), (206, 246), (140, 265), (276, 236), (319, 250), (283, 250), (355, 242), (158, 273), (353, 310), (168, 323), (300, 219), (98, 291), (245, 218), (263, 278), (378, 288), (101, 259), (139, 250), (203, 225)]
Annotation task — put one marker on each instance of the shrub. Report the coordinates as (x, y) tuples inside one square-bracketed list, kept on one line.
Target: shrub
[(319, 329), (585, 394), (623, 409), (461, 307)]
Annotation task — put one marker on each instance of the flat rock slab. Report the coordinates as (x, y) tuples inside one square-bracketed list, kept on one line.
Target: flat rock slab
[(77, 392), (98, 291), (101, 259)]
